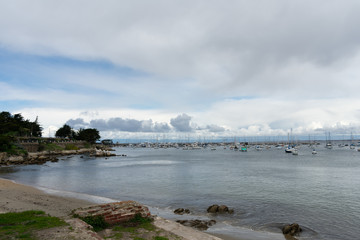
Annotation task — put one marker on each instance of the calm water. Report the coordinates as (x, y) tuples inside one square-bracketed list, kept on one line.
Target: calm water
[(266, 188)]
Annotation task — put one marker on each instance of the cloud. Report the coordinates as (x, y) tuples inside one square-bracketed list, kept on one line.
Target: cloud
[(215, 129), (77, 123), (128, 125), (242, 47), (287, 64), (182, 123)]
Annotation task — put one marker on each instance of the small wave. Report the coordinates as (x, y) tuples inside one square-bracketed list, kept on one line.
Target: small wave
[(139, 163), (82, 196)]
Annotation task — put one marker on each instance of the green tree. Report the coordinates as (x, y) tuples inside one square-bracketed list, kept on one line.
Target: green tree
[(65, 131), (90, 135), (16, 125)]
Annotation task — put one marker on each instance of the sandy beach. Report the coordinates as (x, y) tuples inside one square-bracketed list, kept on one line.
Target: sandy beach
[(16, 197)]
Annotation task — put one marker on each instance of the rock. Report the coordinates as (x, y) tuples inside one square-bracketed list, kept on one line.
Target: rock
[(291, 229), (213, 209), (223, 209), (181, 211), (114, 213), (198, 224), (219, 209)]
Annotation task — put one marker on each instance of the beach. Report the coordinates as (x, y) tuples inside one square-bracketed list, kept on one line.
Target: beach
[(16, 197)]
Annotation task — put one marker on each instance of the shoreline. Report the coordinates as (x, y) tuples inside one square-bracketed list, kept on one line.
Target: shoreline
[(16, 197)]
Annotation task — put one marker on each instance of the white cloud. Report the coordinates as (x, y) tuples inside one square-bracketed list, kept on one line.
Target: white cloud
[(295, 64)]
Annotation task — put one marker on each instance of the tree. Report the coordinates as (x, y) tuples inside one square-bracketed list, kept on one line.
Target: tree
[(17, 126), (65, 131), (90, 135)]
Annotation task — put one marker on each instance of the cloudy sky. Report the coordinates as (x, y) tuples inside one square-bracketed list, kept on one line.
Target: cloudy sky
[(180, 68)]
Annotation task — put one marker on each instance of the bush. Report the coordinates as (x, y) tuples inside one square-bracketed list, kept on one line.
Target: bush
[(71, 146), (5, 143), (97, 222)]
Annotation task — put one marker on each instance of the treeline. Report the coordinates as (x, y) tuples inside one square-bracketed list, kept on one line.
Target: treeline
[(12, 126), (90, 135), (16, 125)]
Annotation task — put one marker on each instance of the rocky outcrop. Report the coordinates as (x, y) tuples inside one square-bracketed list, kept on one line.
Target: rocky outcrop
[(219, 209), (198, 224), (102, 153), (292, 229), (114, 213), (40, 157), (181, 211)]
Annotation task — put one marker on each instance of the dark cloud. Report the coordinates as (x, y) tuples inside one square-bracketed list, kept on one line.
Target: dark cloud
[(182, 123), (77, 123), (129, 125)]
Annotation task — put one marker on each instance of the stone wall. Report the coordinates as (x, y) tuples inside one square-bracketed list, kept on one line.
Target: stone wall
[(34, 146), (116, 212)]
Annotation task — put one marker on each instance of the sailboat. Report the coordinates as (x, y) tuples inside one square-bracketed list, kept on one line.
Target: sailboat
[(328, 142), (290, 147)]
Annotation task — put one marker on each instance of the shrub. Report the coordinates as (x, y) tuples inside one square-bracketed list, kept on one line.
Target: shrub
[(71, 146), (97, 222)]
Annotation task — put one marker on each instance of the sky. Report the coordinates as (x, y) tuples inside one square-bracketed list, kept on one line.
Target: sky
[(184, 68)]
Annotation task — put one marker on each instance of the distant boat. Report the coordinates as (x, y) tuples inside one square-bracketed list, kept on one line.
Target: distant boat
[(328, 141), (289, 149), (295, 151), (314, 151), (244, 149)]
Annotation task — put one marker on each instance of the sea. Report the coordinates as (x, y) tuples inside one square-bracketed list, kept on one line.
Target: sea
[(267, 189)]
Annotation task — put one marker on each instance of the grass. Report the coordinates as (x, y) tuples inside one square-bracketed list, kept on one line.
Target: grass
[(21, 225), (49, 147), (135, 227), (71, 146)]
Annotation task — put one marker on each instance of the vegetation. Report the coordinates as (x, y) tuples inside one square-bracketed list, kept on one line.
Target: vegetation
[(65, 132), (16, 125), (90, 135), (12, 126), (97, 222), (138, 228), (71, 146), (49, 147), (22, 225)]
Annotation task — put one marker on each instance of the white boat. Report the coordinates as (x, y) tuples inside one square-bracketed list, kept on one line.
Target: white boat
[(295, 151), (289, 149), (314, 151)]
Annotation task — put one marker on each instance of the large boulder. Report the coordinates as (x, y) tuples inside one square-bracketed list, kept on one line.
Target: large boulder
[(292, 229), (219, 209)]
